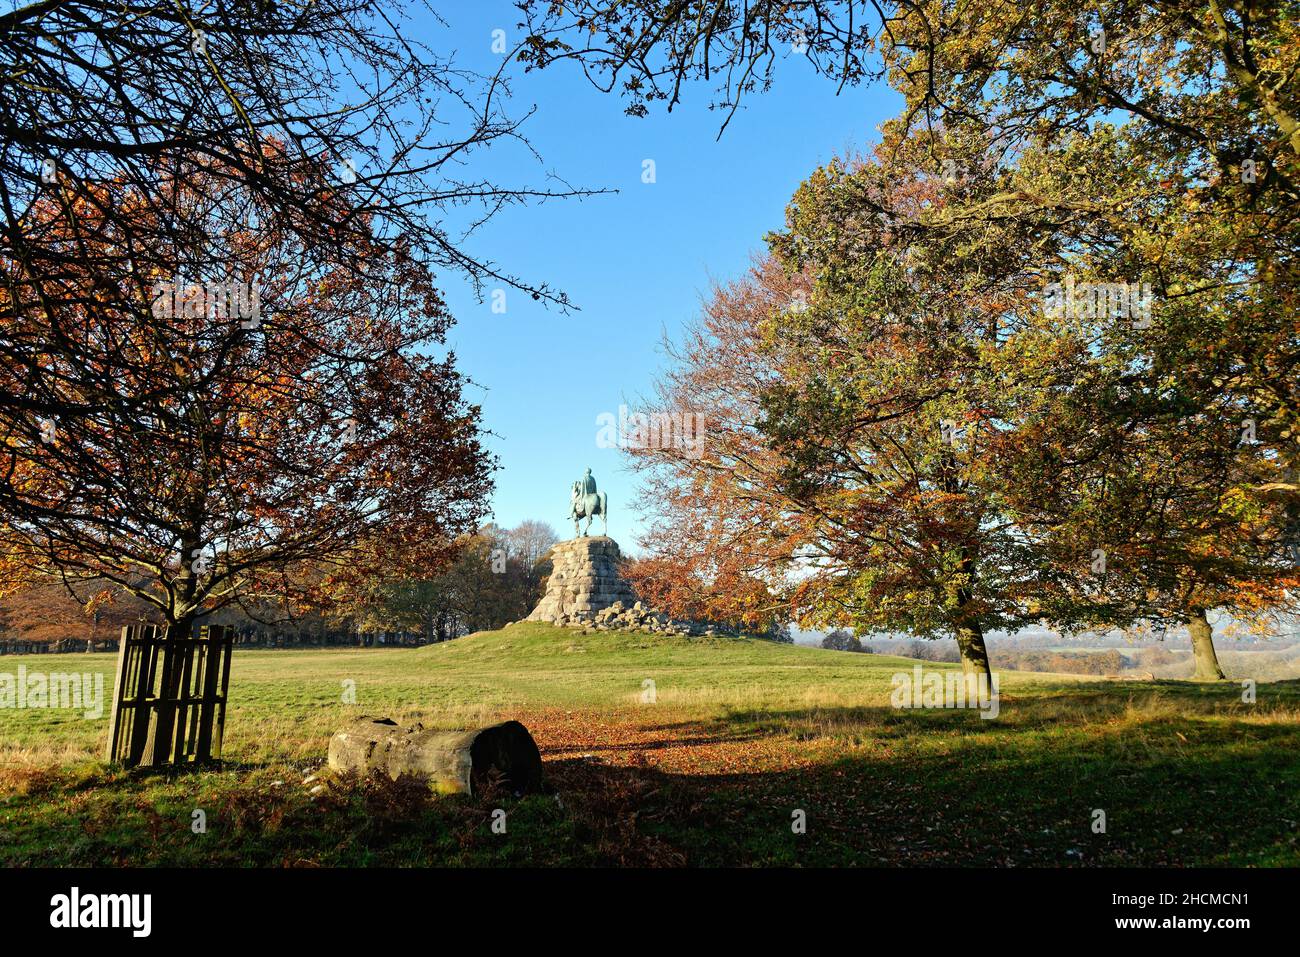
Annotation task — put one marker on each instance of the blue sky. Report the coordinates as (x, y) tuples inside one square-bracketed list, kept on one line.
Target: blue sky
[(636, 263)]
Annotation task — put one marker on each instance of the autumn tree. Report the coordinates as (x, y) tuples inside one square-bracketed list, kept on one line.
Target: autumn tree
[(1177, 492), (713, 519), (918, 371), (937, 450), (292, 416), (1157, 503), (495, 578), (868, 391), (1190, 480), (317, 121), (402, 604), (693, 586), (492, 581), (45, 612), (1157, 145)]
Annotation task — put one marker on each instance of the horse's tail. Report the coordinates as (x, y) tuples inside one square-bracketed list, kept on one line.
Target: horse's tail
[(604, 504)]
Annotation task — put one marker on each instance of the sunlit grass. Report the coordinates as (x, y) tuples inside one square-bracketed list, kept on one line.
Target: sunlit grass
[(740, 733)]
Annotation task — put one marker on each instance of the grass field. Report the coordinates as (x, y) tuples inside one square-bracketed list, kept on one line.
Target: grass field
[(742, 734)]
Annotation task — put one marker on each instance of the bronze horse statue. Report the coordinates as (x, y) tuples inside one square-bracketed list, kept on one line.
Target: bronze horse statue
[(588, 505)]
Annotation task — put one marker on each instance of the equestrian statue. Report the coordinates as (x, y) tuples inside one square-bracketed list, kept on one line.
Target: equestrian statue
[(586, 502)]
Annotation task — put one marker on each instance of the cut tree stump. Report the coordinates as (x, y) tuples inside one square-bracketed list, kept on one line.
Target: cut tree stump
[(453, 762)]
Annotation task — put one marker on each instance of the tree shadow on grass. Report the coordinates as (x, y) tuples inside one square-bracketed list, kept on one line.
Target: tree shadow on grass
[(635, 745), (1184, 775), (1069, 782), (1174, 704)]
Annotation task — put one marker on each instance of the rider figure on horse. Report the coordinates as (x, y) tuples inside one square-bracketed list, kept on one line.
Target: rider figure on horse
[(587, 503)]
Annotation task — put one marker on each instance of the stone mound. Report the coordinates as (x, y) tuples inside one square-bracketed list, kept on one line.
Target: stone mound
[(584, 580), (585, 590)]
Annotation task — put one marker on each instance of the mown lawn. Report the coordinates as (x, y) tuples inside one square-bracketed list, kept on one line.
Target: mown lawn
[(741, 735)]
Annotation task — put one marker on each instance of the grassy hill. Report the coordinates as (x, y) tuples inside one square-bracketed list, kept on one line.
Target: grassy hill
[(741, 734)]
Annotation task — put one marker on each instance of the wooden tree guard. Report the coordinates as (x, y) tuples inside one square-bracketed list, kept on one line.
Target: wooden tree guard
[(169, 700)]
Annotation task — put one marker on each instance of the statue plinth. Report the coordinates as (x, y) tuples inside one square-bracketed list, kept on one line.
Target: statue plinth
[(584, 580)]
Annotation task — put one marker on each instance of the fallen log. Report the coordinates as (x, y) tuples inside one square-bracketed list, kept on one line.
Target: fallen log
[(453, 762)]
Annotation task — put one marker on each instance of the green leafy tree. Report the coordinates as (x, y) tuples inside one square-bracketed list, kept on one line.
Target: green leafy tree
[(885, 394), (1178, 492), (841, 640)]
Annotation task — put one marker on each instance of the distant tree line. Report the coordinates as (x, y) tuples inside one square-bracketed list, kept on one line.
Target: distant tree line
[(497, 577), (1109, 662), (1094, 662)]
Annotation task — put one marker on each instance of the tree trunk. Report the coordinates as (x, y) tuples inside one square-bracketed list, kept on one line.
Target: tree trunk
[(974, 656), (453, 762), (1207, 662), (970, 634)]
